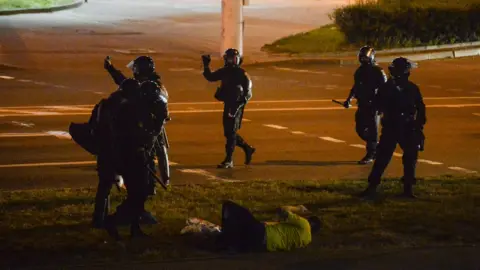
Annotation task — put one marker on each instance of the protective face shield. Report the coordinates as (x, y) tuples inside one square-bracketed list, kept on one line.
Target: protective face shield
[(400, 68), (142, 65), (366, 55), (232, 57)]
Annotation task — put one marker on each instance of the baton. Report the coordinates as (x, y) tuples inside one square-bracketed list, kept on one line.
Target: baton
[(339, 102), (156, 177)]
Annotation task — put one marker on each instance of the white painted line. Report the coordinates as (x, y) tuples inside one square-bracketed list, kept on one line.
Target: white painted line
[(6, 77), (337, 75), (60, 134), (429, 162), (477, 114), (461, 170), (24, 135), (397, 154), (454, 90), (434, 86), (48, 164), (276, 127), (90, 106), (298, 132), (61, 86), (330, 139), (53, 164), (23, 80), (180, 69), (246, 120), (300, 70), (23, 124), (208, 175), (358, 146), (40, 83)]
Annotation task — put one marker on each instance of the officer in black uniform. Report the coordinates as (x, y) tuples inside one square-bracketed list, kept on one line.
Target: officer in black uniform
[(401, 104), (100, 122), (235, 91), (139, 121), (368, 79), (143, 68)]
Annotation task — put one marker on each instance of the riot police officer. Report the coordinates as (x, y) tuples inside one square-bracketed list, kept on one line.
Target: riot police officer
[(368, 79), (235, 91), (143, 68), (403, 118), (138, 122)]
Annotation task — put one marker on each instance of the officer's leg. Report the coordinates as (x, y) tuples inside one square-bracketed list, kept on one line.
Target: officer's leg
[(409, 158), (240, 142), (363, 123), (385, 149), (106, 178), (138, 195), (230, 135)]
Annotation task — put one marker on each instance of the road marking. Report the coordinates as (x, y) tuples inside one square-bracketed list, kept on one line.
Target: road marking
[(358, 146), (429, 162), (210, 176), (337, 75), (40, 83), (21, 135), (60, 134), (454, 90), (477, 114), (23, 80), (276, 127), (6, 77), (330, 139), (90, 106), (331, 87), (298, 132), (48, 164), (246, 120), (434, 86), (180, 69), (53, 164), (461, 170), (300, 70), (23, 124)]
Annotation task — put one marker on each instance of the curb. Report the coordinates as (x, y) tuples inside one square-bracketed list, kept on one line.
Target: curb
[(75, 4), (386, 56)]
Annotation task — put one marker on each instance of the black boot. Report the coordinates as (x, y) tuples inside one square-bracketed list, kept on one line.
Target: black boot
[(369, 193), (407, 192), (249, 151), (368, 158), (136, 232), (226, 164), (111, 228)]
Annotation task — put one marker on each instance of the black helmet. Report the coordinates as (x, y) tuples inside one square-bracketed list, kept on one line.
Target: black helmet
[(142, 65), (232, 57), (129, 86), (152, 92), (366, 55), (400, 67)]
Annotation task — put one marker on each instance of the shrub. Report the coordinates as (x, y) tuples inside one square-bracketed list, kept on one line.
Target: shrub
[(391, 25)]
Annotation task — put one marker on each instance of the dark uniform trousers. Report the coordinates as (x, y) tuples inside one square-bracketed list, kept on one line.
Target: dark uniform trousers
[(366, 126), (106, 178), (407, 139), (230, 128), (136, 178)]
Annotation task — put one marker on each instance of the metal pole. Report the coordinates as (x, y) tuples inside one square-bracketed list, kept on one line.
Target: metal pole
[(232, 25)]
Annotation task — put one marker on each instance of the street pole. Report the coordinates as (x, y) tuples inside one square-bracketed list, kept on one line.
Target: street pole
[(232, 25)]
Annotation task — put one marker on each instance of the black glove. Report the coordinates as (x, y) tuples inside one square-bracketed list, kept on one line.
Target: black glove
[(206, 60), (346, 104), (107, 63)]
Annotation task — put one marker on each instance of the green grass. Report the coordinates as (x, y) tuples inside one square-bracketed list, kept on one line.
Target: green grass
[(46, 226), (14, 4), (325, 39), (329, 38)]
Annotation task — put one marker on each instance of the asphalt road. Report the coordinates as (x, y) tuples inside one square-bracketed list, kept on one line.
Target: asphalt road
[(298, 132)]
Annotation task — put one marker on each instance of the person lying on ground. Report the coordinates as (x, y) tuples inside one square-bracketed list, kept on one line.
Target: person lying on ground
[(242, 232)]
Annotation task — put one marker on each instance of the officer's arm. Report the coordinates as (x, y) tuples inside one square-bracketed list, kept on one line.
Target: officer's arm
[(354, 87), (421, 118), (116, 74), (212, 76), (379, 99), (247, 87)]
